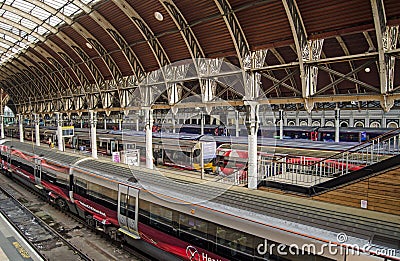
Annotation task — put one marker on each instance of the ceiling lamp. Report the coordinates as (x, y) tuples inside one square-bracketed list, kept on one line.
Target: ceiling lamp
[(158, 16), (367, 69), (88, 45)]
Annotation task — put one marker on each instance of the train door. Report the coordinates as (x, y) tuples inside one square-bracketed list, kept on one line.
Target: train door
[(128, 210), (113, 146), (38, 172), (75, 142)]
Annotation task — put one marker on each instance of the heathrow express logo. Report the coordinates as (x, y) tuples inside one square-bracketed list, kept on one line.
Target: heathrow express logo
[(339, 248), (195, 91)]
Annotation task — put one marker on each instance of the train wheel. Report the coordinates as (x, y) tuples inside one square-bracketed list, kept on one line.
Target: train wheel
[(62, 204)]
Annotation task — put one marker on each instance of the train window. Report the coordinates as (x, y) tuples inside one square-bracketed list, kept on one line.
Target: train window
[(127, 206), (102, 192), (132, 207), (234, 243), (193, 230), (161, 218), (81, 183)]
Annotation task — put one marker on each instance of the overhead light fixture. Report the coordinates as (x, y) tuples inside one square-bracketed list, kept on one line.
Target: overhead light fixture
[(88, 45), (158, 16), (367, 69)]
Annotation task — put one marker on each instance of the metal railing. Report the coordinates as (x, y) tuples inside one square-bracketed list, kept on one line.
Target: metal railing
[(308, 171)]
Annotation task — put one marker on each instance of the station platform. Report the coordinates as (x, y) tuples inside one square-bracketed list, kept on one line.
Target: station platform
[(12, 246)]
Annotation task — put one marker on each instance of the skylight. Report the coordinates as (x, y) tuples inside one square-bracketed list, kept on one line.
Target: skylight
[(23, 19)]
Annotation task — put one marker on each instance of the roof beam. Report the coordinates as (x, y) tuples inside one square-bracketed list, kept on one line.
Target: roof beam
[(386, 40), (186, 31), (306, 50), (239, 39), (158, 51)]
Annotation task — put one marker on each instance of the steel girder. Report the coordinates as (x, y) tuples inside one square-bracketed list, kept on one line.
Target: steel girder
[(239, 40), (186, 31), (158, 51), (386, 40)]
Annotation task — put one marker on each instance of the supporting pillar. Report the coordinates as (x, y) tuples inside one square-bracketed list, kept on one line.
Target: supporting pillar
[(337, 124), (137, 123), (2, 126), (281, 124), (120, 123), (237, 129), (149, 137), (37, 133), (201, 123), (323, 119), (252, 127), (21, 128), (105, 122), (93, 138), (60, 139), (173, 123), (81, 122)]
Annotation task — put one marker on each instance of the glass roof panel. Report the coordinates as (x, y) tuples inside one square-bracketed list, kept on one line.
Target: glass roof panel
[(28, 24), (40, 13), (4, 45), (70, 9), (46, 11)]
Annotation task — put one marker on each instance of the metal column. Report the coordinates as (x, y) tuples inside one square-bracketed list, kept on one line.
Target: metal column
[(149, 137), (252, 126), (337, 124), (93, 139), (60, 139), (201, 123), (237, 124), (21, 128), (37, 134), (2, 125), (281, 124)]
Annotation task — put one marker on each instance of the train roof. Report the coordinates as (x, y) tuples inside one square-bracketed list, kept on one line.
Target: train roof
[(278, 214)]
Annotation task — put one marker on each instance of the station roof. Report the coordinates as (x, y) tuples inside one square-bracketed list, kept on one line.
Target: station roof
[(78, 54)]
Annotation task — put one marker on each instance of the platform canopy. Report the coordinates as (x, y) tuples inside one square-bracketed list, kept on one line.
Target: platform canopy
[(306, 54)]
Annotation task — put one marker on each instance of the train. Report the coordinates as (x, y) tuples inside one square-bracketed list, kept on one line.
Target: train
[(326, 134), (183, 151), (168, 219)]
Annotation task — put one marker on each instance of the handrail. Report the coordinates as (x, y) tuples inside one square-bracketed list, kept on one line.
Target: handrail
[(307, 170), (363, 143)]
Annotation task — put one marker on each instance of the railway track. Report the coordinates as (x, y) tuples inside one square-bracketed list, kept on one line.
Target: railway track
[(40, 235), (50, 236)]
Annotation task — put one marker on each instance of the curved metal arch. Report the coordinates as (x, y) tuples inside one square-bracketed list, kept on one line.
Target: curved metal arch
[(239, 39), (22, 28), (183, 26), (108, 61), (46, 26), (16, 75), (8, 87), (30, 17), (67, 78), (4, 86), (133, 60), (38, 85), (13, 83), (95, 74), (57, 79), (84, 33), (378, 11), (158, 51), (9, 43)]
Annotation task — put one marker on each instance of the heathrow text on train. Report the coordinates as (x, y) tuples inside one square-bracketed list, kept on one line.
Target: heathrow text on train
[(331, 248)]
